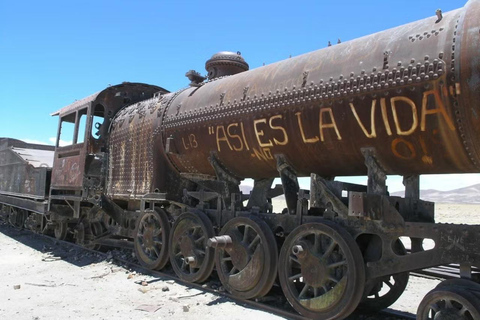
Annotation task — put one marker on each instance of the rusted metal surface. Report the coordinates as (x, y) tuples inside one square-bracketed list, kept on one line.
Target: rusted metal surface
[(138, 164), (450, 301), (321, 271), (36, 158), (247, 264), (77, 162), (24, 169), (403, 92), (191, 258), (225, 64), (131, 149)]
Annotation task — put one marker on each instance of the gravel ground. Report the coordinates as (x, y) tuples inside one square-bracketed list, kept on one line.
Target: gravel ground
[(44, 279)]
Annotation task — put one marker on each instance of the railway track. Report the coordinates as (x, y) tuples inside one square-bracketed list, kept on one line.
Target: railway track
[(275, 303), (451, 271)]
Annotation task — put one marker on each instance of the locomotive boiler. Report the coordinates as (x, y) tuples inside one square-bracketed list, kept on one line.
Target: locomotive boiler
[(159, 171)]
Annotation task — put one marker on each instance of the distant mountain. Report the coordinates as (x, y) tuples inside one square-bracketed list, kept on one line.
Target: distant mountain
[(469, 194)]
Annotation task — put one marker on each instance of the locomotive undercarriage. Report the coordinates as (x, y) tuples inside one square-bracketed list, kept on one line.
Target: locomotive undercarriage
[(335, 247), (333, 252)]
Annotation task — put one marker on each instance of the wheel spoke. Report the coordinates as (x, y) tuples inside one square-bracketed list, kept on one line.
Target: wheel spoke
[(448, 303), (316, 243), (199, 240), (333, 279), (435, 307), (337, 264), (304, 291), (254, 242), (388, 283), (200, 252), (157, 251), (329, 250), (294, 277), (196, 230), (245, 233), (227, 259), (294, 259), (234, 269), (158, 231)]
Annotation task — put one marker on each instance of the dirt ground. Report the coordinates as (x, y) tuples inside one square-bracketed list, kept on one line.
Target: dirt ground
[(43, 279), (52, 281)]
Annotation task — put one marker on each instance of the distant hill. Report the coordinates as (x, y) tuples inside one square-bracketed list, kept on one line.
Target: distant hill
[(469, 194)]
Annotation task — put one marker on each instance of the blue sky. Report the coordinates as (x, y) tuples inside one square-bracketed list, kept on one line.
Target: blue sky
[(54, 52)]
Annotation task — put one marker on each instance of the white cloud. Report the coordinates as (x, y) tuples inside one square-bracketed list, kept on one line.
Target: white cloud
[(62, 143)]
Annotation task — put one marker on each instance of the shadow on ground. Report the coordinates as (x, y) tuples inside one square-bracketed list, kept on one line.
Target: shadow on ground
[(53, 249)]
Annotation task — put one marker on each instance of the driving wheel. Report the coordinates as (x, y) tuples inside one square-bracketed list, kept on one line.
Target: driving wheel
[(190, 257), (247, 266), (17, 217), (151, 241), (449, 302), (61, 230), (82, 234), (382, 292), (321, 271)]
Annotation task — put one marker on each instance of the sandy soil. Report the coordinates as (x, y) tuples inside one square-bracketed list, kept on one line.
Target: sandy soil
[(457, 213), (57, 283)]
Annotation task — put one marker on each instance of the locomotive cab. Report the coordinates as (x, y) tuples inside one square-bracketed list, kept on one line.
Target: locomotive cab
[(80, 162)]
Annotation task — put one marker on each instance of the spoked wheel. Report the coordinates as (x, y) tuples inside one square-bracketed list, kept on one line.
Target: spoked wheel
[(83, 236), (449, 303), (190, 257), (380, 293), (61, 230), (17, 217), (247, 267), (384, 291), (462, 283), (151, 241), (321, 271), (4, 211)]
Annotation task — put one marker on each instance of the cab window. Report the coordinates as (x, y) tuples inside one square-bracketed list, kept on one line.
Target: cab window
[(72, 128), (97, 121)]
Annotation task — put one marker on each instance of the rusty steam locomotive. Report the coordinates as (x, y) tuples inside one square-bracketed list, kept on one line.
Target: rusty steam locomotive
[(159, 171)]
